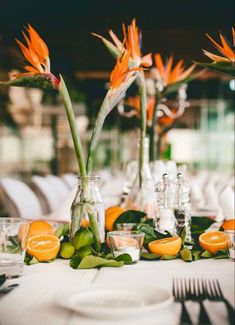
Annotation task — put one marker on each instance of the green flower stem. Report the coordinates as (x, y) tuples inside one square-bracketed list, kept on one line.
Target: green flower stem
[(81, 162), (152, 146), (143, 120), (103, 112), (73, 127)]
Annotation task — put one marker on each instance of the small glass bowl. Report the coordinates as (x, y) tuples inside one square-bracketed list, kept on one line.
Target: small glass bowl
[(231, 244), (125, 226), (126, 242)]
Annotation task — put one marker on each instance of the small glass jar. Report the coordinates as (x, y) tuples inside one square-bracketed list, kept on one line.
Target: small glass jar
[(88, 205)]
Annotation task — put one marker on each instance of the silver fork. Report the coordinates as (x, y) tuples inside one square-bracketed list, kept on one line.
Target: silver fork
[(179, 293), (214, 293), (195, 292)]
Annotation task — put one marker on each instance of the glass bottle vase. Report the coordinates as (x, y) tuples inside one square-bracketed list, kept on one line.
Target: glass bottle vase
[(88, 206), (142, 196)]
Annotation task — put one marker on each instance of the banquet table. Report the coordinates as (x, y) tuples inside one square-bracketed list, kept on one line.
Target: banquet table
[(33, 302)]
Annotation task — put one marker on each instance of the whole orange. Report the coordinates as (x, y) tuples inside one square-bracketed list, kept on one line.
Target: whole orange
[(111, 215), (228, 224), (213, 241), (40, 227), (166, 246)]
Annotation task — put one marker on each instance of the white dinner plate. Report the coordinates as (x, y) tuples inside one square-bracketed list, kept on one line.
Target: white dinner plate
[(115, 301)]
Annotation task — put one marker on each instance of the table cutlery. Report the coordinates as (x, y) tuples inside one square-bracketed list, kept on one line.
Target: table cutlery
[(179, 293), (214, 293), (195, 292), (8, 289)]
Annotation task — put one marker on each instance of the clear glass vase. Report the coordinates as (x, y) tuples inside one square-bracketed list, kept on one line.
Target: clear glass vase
[(88, 205), (142, 196)]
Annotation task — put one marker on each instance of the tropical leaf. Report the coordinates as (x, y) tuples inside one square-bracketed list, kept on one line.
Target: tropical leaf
[(130, 216), (221, 67), (61, 231), (41, 81), (126, 258), (186, 254), (90, 262)]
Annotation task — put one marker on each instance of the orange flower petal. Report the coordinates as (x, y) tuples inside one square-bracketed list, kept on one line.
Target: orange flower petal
[(38, 44), (159, 63), (116, 40), (146, 60), (227, 50), (215, 58)]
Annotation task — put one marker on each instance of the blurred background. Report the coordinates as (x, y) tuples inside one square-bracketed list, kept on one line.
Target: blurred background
[(34, 134)]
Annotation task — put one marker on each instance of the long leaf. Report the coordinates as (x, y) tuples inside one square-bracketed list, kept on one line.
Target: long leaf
[(220, 67)]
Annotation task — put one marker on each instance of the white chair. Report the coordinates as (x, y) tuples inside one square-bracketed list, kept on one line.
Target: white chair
[(59, 186), (226, 200), (70, 180), (46, 194), (19, 200)]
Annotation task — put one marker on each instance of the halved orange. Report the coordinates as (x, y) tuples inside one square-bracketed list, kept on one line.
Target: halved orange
[(213, 241), (111, 214), (43, 247), (165, 246), (228, 224)]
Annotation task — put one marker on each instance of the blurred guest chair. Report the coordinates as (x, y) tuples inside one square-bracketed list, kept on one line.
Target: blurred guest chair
[(46, 194), (19, 200), (70, 180), (61, 190)]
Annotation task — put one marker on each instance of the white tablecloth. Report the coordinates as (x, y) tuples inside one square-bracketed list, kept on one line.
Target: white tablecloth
[(33, 302)]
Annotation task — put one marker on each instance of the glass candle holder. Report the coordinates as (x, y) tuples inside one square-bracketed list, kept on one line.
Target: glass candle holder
[(13, 242), (125, 226), (231, 244), (126, 242)]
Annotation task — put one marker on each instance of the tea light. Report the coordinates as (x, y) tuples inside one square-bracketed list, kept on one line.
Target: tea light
[(132, 251), (126, 242)]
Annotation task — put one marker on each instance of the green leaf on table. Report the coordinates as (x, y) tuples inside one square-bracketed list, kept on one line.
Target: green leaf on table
[(196, 254), (130, 216), (186, 254), (201, 223), (126, 258), (150, 256), (30, 260), (61, 231), (221, 254), (207, 254), (169, 257), (90, 262), (75, 261), (183, 234)]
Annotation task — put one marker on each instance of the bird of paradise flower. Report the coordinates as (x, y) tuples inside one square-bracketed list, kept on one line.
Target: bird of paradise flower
[(224, 63)]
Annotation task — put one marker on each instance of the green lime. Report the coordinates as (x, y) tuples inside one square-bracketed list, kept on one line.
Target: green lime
[(84, 251), (83, 237), (67, 250)]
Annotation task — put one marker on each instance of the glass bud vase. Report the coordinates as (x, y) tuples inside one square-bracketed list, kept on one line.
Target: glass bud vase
[(142, 197), (88, 206)]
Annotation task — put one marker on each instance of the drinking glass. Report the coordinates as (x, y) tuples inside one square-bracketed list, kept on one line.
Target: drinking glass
[(231, 244), (126, 242), (13, 241)]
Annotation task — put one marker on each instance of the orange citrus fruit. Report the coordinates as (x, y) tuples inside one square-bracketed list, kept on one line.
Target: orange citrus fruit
[(43, 247), (38, 227), (85, 223), (228, 224), (165, 246), (213, 241), (111, 215)]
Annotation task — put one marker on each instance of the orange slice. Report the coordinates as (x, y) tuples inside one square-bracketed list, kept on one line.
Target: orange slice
[(43, 247), (165, 246), (228, 224), (213, 241), (111, 214)]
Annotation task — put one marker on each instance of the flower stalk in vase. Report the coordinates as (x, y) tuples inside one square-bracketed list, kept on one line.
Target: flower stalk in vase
[(38, 75), (132, 45)]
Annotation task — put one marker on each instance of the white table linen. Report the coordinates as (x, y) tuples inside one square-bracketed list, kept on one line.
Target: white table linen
[(33, 302)]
